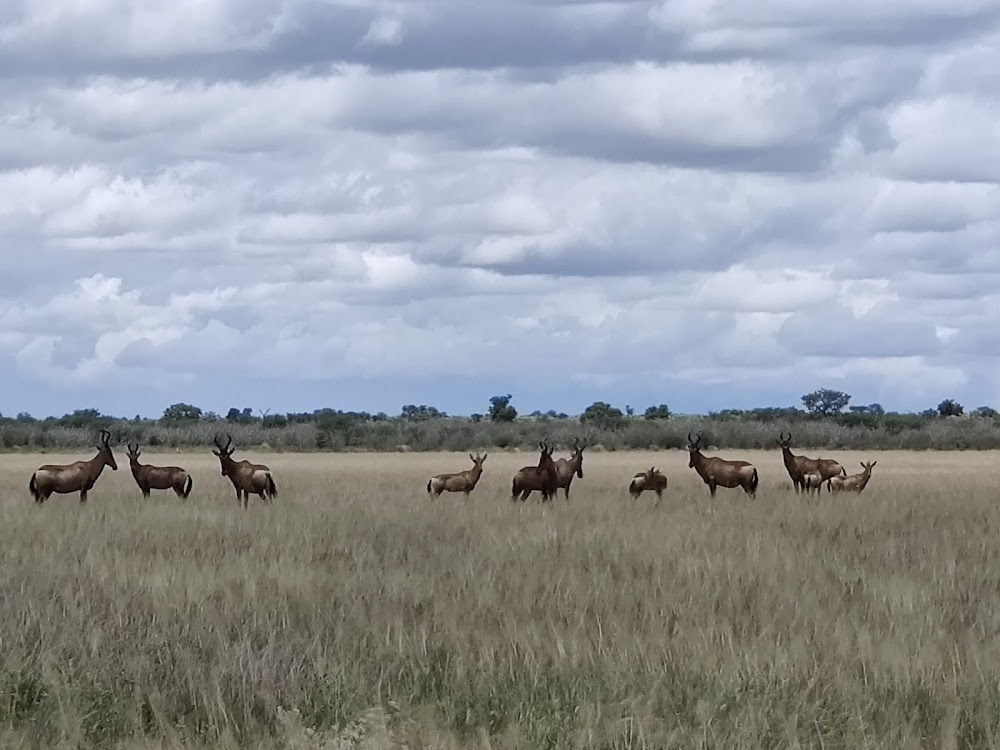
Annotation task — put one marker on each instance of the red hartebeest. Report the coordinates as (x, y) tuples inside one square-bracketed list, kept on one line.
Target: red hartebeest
[(245, 476), (541, 477), (462, 481), (652, 480), (566, 468), (79, 476), (799, 466), (718, 472), (852, 483), (150, 477)]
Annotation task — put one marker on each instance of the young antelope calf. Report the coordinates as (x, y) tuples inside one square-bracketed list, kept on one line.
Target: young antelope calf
[(853, 483), (651, 480), (462, 481), (150, 477)]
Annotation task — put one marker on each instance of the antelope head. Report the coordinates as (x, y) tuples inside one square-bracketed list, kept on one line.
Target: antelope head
[(578, 456), (133, 452), (785, 443), (224, 453), (545, 462), (694, 448), (105, 452), (477, 460)]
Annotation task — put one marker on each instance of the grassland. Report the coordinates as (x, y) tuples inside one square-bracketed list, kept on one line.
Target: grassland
[(356, 612)]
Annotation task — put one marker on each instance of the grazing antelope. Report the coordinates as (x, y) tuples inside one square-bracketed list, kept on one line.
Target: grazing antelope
[(79, 476), (541, 477), (651, 480), (462, 481), (245, 476), (799, 466), (158, 477), (567, 467), (718, 472), (852, 483)]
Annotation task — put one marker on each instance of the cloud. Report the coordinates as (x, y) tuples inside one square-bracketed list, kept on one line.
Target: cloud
[(622, 200)]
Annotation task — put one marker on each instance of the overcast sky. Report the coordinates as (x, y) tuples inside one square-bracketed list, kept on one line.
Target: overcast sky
[(291, 204)]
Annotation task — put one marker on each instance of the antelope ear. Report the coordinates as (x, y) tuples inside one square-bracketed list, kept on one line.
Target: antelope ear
[(472, 458), (874, 462), (216, 452), (484, 456)]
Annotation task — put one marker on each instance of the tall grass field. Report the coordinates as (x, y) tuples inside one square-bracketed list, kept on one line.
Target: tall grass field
[(354, 611)]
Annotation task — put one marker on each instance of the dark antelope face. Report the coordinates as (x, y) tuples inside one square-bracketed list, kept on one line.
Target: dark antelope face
[(694, 448), (578, 456), (224, 452), (104, 449), (133, 452), (785, 443), (545, 462)]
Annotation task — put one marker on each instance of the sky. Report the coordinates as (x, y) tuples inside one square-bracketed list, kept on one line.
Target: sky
[(296, 204)]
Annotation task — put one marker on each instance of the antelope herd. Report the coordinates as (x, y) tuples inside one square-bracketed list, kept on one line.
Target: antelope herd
[(547, 476)]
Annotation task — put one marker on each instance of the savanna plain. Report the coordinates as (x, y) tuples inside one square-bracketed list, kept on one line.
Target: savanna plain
[(354, 611)]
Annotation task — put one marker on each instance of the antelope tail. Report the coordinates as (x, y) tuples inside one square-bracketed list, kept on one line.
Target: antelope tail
[(272, 488), (843, 471), (187, 487), (429, 486), (32, 488), (753, 480)]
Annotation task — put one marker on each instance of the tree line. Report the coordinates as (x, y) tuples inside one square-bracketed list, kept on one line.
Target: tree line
[(826, 420)]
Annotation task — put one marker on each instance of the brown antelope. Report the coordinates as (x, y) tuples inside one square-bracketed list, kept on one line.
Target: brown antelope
[(718, 472), (799, 466), (462, 481), (79, 476), (541, 477), (567, 467), (651, 480), (245, 476), (852, 483), (158, 477), (813, 481)]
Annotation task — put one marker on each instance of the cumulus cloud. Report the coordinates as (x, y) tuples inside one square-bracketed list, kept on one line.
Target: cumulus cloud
[(631, 200)]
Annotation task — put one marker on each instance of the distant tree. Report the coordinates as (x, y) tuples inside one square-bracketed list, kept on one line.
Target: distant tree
[(181, 413), (501, 410), (603, 415), (950, 408), (657, 412), (629, 410), (238, 416), (825, 402), (421, 413), (23, 416), (985, 412), (875, 410), (476, 417)]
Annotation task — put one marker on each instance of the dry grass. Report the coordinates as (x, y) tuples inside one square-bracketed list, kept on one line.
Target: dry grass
[(356, 612)]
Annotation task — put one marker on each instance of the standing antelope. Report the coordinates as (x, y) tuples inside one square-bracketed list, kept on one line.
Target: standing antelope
[(245, 476), (462, 481), (799, 466), (718, 472), (651, 480), (79, 476), (158, 477), (852, 483), (567, 467), (541, 477), (812, 481)]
